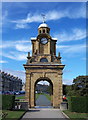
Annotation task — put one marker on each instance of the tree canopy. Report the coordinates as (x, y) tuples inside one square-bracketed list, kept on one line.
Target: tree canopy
[(78, 88)]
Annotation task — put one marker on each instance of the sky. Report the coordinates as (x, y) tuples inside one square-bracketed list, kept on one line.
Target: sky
[(67, 22)]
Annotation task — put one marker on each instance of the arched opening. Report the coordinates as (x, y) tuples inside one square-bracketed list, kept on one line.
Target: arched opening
[(40, 31), (43, 60), (48, 31), (43, 95), (44, 31)]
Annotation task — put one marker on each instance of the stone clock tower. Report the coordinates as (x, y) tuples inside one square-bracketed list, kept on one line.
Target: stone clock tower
[(44, 65)]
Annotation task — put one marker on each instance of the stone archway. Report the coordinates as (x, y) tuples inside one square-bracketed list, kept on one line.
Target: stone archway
[(51, 93), (43, 64), (31, 78)]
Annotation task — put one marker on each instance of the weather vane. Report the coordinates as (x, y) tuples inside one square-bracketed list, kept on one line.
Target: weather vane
[(43, 16)]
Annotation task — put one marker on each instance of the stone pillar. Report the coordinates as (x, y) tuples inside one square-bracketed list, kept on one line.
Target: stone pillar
[(60, 87), (57, 91), (32, 92), (49, 46), (37, 46), (55, 96), (27, 88)]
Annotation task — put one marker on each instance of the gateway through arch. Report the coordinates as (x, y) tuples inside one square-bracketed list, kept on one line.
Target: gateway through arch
[(44, 91), (44, 64)]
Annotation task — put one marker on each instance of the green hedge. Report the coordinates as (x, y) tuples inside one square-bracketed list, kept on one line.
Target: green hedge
[(78, 104), (8, 102)]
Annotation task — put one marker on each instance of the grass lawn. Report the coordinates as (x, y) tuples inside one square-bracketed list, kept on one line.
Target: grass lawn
[(20, 97), (77, 116), (37, 95), (13, 114)]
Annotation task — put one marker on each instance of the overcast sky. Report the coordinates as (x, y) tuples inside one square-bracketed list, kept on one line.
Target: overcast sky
[(67, 22)]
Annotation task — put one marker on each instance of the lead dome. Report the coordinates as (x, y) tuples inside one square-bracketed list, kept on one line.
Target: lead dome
[(43, 25), (43, 28)]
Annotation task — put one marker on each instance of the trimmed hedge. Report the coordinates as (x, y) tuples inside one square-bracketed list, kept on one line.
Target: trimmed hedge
[(8, 102), (78, 104)]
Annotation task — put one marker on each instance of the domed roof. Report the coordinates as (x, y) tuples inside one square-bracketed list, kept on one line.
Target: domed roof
[(43, 25)]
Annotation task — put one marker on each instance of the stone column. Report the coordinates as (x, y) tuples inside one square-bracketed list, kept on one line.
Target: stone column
[(56, 95), (49, 46), (32, 91), (57, 91), (37, 46), (60, 87), (27, 88)]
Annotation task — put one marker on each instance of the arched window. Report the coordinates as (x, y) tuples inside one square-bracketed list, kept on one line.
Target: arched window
[(43, 60), (43, 31), (39, 31), (47, 31)]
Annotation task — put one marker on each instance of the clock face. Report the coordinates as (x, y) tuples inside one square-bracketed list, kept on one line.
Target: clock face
[(44, 40)]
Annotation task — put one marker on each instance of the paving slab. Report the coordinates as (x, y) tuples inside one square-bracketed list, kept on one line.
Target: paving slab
[(44, 113)]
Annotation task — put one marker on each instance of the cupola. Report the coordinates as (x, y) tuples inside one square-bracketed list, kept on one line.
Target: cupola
[(43, 28)]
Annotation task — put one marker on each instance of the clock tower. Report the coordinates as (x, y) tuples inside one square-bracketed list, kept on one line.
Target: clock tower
[(44, 46), (44, 65)]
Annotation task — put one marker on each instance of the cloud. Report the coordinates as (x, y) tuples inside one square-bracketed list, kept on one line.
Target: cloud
[(4, 16), (76, 48), (43, 82), (75, 34), (51, 15), (17, 50), (7, 44), (25, 48), (72, 49), (2, 61), (3, 19), (21, 26), (77, 12), (19, 56), (67, 81)]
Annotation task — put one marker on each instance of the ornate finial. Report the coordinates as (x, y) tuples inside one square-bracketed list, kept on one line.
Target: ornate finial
[(59, 54), (28, 54), (43, 18)]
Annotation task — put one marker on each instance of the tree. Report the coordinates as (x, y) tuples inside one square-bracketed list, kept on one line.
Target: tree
[(79, 86), (66, 89), (49, 89)]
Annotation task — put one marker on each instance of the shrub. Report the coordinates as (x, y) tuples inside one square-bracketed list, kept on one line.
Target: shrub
[(8, 102), (78, 104)]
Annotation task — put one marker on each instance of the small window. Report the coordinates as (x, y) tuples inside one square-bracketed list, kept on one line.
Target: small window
[(43, 31), (40, 31), (47, 31), (43, 60)]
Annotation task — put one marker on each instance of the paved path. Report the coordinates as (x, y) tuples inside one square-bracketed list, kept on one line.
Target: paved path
[(44, 113), (43, 101)]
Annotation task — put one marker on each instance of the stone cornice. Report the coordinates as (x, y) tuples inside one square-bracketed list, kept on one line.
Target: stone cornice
[(44, 66)]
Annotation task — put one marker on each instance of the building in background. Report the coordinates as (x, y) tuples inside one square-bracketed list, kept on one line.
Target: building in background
[(23, 87), (9, 82)]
